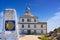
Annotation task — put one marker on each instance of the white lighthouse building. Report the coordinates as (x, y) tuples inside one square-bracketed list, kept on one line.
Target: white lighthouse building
[(28, 24)]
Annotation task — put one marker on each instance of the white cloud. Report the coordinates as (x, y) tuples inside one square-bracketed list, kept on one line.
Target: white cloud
[(54, 22)]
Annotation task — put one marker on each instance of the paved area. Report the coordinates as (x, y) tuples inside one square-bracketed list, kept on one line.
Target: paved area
[(29, 37)]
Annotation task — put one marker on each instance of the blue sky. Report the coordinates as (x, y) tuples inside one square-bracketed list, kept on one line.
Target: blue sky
[(46, 10)]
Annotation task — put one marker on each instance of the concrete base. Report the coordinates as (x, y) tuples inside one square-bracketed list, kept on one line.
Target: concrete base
[(11, 37)]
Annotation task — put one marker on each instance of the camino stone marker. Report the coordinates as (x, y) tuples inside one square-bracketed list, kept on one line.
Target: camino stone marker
[(10, 24)]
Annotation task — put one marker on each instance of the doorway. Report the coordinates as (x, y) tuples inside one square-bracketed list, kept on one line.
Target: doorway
[(29, 31)]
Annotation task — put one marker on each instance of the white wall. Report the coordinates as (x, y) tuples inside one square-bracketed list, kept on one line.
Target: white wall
[(32, 31), (38, 28), (25, 20)]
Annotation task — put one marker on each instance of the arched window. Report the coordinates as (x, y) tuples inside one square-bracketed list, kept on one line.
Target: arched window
[(34, 31), (28, 20), (22, 26), (41, 26), (34, 20), (28, 25), (42, 31), (34, 25), (22, 20)]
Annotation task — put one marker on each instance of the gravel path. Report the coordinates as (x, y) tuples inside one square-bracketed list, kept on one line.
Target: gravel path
[(29, 37)]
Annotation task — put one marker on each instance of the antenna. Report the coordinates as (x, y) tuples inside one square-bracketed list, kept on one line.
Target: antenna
[(27, 7), (28, 4)]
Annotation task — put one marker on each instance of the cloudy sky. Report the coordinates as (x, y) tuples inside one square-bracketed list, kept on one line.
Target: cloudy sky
[(46, 10)]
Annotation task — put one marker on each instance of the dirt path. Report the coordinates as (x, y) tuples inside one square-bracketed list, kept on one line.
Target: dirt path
[(29, 37)]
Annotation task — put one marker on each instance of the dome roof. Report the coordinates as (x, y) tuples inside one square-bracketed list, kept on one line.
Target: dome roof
[(27, 12)]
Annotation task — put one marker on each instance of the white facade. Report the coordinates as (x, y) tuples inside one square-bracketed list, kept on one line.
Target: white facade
[(29, 24)]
